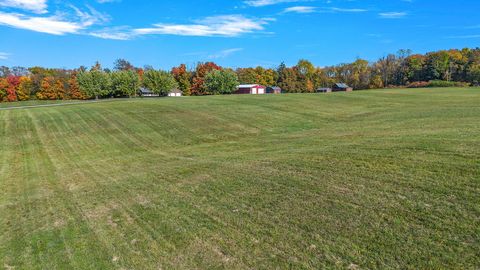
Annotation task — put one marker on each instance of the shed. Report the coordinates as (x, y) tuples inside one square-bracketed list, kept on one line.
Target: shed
[(274, 90), (324, 90), (175, 93), (252, 89), (338, 87), (145, 92)]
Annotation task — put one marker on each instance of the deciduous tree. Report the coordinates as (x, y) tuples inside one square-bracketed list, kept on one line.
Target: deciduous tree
[(182, 76), (125, 83), (201, 71), (123, 65), (25, 89), (94, 83), (159, 82), (221, 82), (3, 89), (51, 89), (74, 88)]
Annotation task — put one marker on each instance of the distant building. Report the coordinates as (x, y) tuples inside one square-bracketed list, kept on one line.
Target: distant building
[(339, 87), (175, 93), (144, 92), (324, 90), (274, 90), (252, 89)]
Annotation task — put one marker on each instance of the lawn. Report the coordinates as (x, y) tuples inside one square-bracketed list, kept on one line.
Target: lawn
[(367, 180)]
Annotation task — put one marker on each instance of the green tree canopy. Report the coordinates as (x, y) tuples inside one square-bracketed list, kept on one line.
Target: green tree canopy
[(159, 82), (221, 81), (94, 83), (125, 83)]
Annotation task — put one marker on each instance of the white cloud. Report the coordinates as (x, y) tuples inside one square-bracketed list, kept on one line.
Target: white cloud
[(4, 56), (83, 21), (262, 3), (465, 37), (300, 9), (392, 15), (352, 10), (116, 33), (36, 6), (50, 25), (107, 1), (226, 26), (55, 25), (91, 16), (225, 53)]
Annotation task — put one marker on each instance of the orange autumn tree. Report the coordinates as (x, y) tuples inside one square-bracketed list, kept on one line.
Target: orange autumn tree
[(51, 89), (182, 76), (3, 89), (24, 89), (74, 88), (60, 89)]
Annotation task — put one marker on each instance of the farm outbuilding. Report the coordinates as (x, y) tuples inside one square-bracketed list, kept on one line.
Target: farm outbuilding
[(175, 93), (145, 92), (252, 89), (324, 90), (339, 87), (274, 90)]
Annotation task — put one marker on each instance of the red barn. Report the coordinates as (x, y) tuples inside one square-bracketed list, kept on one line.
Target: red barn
[(252, 89)]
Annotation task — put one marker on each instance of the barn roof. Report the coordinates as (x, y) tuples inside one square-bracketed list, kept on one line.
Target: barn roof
[(176, 91), (248, 85), (341, 85), (144, 90)]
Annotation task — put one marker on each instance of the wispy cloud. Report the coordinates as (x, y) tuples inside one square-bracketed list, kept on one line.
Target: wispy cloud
[(36, 6), (224, 26), (80, 21), (115, 33), (4, 56), (464, 37), (225, 53), (56, 24), (51, 25), (107, 1), (351, 10), (300, 9), (262, 3), (392, 15)]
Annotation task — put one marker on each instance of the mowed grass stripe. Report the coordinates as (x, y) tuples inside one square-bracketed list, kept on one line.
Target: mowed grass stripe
[(110, 184), (102, 215), (64, 222)]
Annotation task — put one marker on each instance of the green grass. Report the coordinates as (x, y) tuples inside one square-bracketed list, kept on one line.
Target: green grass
[(373, 179), (33, 103)]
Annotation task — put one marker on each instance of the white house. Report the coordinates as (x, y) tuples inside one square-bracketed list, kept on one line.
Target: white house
[(175, 93)]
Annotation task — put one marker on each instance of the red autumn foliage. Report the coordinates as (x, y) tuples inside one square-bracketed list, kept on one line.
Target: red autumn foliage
[(140, 73), (199, 78), (13, 84), (182, 76)]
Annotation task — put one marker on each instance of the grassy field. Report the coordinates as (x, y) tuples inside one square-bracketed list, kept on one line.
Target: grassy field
[(374, 179)]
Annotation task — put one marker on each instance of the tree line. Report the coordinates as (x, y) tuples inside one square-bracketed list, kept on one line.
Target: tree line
[(403, 69)]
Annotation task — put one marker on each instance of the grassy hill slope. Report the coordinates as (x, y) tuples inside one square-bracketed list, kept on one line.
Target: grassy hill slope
[(374, 179)]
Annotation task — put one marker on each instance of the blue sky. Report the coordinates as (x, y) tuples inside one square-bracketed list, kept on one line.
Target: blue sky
[(235, 33)]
